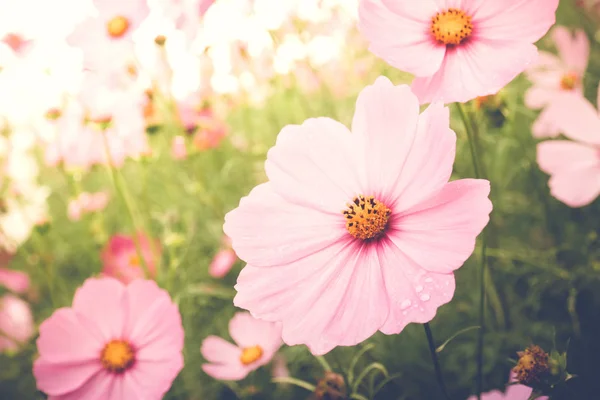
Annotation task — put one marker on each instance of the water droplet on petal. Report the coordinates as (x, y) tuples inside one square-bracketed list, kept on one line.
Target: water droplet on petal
[(405, 304), (425, 297), (428, 280), (419, 289)]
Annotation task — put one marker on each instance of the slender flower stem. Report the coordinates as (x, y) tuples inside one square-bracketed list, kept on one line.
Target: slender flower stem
[(434, 359)]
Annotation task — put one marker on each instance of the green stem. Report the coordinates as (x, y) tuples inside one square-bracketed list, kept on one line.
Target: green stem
[(434, 359)]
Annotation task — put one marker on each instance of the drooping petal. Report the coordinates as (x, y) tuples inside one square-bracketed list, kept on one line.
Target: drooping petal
[(103, 300), (331, 298), (574, 50), (476, 68), (576, 187), (56, 379), (267, 230), (226, 372), (555, 156), (220, 351), (315, 165), (398, 32), (514, 20), (414, 294)]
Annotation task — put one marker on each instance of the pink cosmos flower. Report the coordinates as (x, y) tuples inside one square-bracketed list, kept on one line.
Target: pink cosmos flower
[(15, 281), (120, 259), (116, 342), (106, 39), (554, 76), (573, 166), (457, 49), (222, 262), (178, 148), (16, 322), (257, 342), (513, 392), (357, 231), (86, 203), (207, 128)]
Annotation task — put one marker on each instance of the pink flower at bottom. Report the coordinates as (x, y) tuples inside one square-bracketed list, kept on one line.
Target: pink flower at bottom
[(16, 322), (457, 49), (357, 231), (116, 342), (15, 281), (86, 203), (257, 342), (120, 258), (513, 392), (573, 166)]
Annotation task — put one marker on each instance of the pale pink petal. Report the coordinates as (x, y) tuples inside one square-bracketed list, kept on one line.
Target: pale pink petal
[(331, 298), (514, 20), (574, 50), (220, 351), (554, 156), (287, 231), (226, 372), (248, 331), (537, 97), (399, 33), (222, 262), (576, 117), (16, 319), (387, 117), (151, 380), (69, 337), (439, 234), (546, 125), (414, 294), (103, 300), (16, 281), (495, 395), (546, 70), (99, 387), (476, 68), (576, 187), (316, 165), (56, 379)]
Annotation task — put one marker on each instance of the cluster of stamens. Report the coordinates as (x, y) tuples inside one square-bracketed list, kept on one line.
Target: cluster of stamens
[(367, 218), (251, 354), (569, 81), (117, 356), (117, 27), (451, 27)]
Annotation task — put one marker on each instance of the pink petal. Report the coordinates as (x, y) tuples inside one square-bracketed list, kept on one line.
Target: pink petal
[(99, 387), (226, 372), (16, 319), (476, 68), (69, 337), (248, 331), (15, 281), (103, 301), (288, 231), (555, 156), (573, 50), (218, 350), (333, 297), (56, 379), (222, 263), (151, 380), (545, 126), (576, 117), (537, 97), (398, 32), (576, 187), (414, 294), (439, 234), (315, 165), (524, 21)]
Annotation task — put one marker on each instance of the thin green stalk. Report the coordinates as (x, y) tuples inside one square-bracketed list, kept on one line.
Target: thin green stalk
[(434, 359)]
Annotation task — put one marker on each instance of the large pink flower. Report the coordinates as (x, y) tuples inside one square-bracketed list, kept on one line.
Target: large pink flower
[(120, 258), (554, 76), (357, 232), (116, 342), (457, 49), (16, 322), (257, 342), (574, 166)]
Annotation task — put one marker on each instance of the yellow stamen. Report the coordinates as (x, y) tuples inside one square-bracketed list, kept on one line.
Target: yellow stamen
[(118, 26), (251, 354), (367, 218), (569, 81), (451, 27), (117, 356), (134, 260)]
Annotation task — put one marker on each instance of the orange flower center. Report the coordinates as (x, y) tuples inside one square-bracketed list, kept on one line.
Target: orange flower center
[(118, 26), (117, 356), (251, 354), (569, 81), (134, 260), (451, 27), (367, 218)]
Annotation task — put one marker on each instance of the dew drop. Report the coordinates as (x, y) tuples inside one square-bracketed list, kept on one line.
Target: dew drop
[(405, 304), (425, 297), (428, 280), (419, 289)]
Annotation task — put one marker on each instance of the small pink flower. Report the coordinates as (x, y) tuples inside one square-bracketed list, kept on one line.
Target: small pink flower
[(280, 369), (257, 342), (513, 392), (573, 166), (178, 148), (222, 262), (86, 203), (16, 322), (15, 281), (357, 231), (116, 342), (554, 76), (457, 49), (120, 259), (106, 39)]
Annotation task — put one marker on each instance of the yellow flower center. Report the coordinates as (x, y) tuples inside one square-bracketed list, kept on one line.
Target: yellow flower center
[(134, 260), (251, 354), (451, 27), (569, 81), (367, 218), (117, 356), (118, 26)]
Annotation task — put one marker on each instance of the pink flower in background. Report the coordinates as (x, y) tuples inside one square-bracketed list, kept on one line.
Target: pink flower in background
[(573, 166), (554, 76), (256, 343), (17, 43), (457, 49), (106, 39), (16, 322), (513, 392), (280, 369), (178, 148), (120, 258), (15, 281), (207, 129), (222, 262), (86, 203), (116, 342), (357, 231)]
